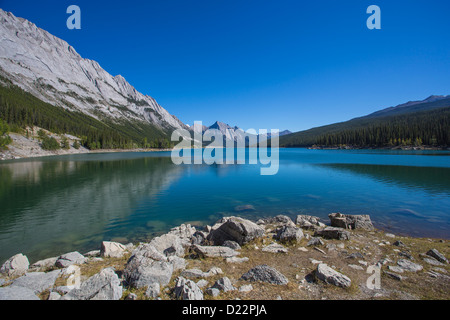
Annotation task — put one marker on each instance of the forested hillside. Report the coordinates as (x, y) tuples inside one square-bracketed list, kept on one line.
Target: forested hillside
[(20, 109), (423, 124)]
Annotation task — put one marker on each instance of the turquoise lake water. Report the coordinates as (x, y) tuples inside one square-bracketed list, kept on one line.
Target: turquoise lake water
[(50, 206)]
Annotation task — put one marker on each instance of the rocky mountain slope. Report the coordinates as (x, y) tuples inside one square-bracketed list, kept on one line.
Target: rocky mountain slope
[(51, 70)]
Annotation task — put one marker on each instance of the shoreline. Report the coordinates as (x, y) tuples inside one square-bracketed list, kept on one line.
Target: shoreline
[(212, 258)]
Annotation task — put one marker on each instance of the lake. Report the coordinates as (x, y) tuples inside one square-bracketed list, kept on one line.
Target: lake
[(50, 206)]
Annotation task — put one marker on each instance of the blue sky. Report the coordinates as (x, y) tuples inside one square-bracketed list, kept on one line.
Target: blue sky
[(284, 64)]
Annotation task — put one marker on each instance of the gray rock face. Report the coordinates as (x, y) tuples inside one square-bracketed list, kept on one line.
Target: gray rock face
[(346, 221), (102, 286), (236, 229), (409, 266), (333, 233), (437, 255), (224, 284), (15, 266), (265, 273), (147, 266), (69, 259), (112, 249), (33, 58), (331, 276), (153, 291), (289, 234), (17, 293), (187, 290), (37, 281), (308, 222), (213, 251)]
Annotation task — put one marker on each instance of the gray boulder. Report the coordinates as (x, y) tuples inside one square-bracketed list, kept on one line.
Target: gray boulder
[(308, 222), (214, 292), (147, 266), (331, 276), (37, 281), (409, 266), (289, 234), (275, 248), (279, 220), (15, 266), (43, 265), (224, 284), (213, 251), (232, 245), (236, 229), (169, 244), (347, 221), (102, 286), (69, 259), (17, 293), (437, 255), (187, 290), (314, 241), (112, 249), (265, 273), (333, 233)]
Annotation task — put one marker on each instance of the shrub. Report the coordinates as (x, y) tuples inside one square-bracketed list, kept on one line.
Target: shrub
[(50, 144)]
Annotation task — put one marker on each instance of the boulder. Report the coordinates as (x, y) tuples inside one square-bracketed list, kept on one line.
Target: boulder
[(43, 265), (409, 266), (169, 244), (289, 234), (308, 222), (15, 266), (194, 273), (112, 249), (17, 293), (331, 276), (224, 284), (147, 266), (187, 290), (232, 244), (69, 259), (236, 229), (213, 251), (102, 286), (265, 273), (314, 241), (37, 281), (347, 221), (437, 255), (278, 220), (275, 248), (333, 233)]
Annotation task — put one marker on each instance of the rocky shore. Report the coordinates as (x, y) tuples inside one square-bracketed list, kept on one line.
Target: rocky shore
[(268, 259)]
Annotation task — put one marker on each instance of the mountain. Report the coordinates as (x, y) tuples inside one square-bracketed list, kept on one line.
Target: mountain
[(416, 122), (53, 72)]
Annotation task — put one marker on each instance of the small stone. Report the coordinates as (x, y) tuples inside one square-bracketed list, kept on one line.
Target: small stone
[(131, 296), (315, 241), (236, 260), (246, 288), (275, 248), (356, 267), (395, 276), (265, 273), (396, 269)]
